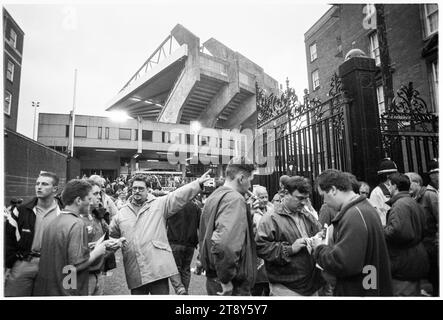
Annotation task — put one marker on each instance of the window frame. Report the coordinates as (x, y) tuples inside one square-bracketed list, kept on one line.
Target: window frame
[(7, 93), (106, 132), (76, 134), (13, 39), (11, 72), (146, 132), (310, 51), (100, 133), (373, 37), (314, 87), (434, 78), (428, 31), (129, 131)]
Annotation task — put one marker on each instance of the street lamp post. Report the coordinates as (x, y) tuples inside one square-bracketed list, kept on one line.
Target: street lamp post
[(35, 105)]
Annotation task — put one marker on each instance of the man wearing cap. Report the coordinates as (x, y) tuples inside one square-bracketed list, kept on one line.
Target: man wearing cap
[(381, 194)]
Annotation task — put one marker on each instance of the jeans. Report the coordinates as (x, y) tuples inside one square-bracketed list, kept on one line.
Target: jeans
[(183, 258), (260, 289), (157, 287), (96, 284), (278, 289), (213, 286), (21, 280)]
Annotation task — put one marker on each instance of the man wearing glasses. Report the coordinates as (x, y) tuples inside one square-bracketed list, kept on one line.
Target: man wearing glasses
[(282, 242), (147, 255)]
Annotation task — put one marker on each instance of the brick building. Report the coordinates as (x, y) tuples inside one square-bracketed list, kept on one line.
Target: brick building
[(402, 38), (13, 37)]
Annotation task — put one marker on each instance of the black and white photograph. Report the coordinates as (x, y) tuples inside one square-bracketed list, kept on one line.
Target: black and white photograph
[(220, 150)]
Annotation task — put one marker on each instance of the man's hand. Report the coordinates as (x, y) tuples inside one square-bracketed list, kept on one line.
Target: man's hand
[(226, 289), (317, 240), (298, 244), (205, 177), (99, 250)]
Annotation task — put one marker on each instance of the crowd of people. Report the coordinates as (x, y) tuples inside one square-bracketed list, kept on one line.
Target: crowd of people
[(382, 242)]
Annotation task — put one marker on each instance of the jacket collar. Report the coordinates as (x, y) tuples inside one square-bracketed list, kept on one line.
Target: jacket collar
[(420, 193), (401, 194), (341, 213), (31, 204)]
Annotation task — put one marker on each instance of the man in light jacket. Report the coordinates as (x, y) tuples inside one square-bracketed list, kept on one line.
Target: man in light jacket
[(147, 255)]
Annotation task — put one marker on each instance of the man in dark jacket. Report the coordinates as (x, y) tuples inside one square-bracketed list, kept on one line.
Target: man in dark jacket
[(227, 248), (404, 232), (23, 236), (183, 238), (282, 243), (357, 254)]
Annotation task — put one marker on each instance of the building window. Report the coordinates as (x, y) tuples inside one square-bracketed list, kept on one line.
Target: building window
[(80, 131), (166, 137), (315, 80), (231, 144), (147, 135), (67, 131), (8, 102), (434, 66), (381, 100), (313, 51), (189, 138), (10, 71), (13, 38), (124, 134), (431, 18), (107, 133), (204, 140), (100, 130), (374, 48)]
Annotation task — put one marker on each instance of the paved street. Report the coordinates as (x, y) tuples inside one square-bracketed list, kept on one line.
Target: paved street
[(115, 283)]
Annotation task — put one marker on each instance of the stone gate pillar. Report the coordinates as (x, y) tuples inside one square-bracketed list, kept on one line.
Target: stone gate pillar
[(358, 80)]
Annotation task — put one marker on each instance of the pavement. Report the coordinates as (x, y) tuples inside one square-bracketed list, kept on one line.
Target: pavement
[(115, 280)]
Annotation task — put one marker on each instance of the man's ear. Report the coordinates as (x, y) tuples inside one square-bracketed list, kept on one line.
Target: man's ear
[(334, 190)]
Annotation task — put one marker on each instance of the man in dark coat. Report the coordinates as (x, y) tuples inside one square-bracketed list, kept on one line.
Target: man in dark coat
[(404, 232), (357, 254), (227, 247)]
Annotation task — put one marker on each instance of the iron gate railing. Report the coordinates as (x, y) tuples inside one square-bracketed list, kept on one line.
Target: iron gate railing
[(307, 138), (409, 131)]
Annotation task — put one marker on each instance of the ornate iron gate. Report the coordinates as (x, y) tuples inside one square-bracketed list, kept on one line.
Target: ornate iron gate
[(409, 131), (306, 138)]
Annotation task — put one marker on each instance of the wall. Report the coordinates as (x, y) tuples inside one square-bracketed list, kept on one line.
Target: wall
[(24, 159)]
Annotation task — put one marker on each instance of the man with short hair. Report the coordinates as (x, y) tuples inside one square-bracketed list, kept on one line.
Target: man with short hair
[(282, 242), (97, 229), (357, 241), (106, 200), (227, 247), (404, 233), (148, 256), (364, 189), (260, 207), (380, 195), (23, 236), (66, 257)]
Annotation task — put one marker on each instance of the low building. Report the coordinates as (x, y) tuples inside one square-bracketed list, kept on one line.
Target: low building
[(110, 148)]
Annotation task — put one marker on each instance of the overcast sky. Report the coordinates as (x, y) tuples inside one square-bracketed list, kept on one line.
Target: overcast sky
[(108, 42)]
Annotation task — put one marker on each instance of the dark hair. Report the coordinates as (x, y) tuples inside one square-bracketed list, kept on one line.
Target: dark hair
[(297, 183), (49, 174), (75, 188), (239, 165), (336, 178), (354, 182), (401, 181), (139, 177)]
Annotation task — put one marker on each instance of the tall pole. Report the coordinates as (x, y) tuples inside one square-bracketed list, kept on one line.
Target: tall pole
[(35, 105), (73, 114)]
